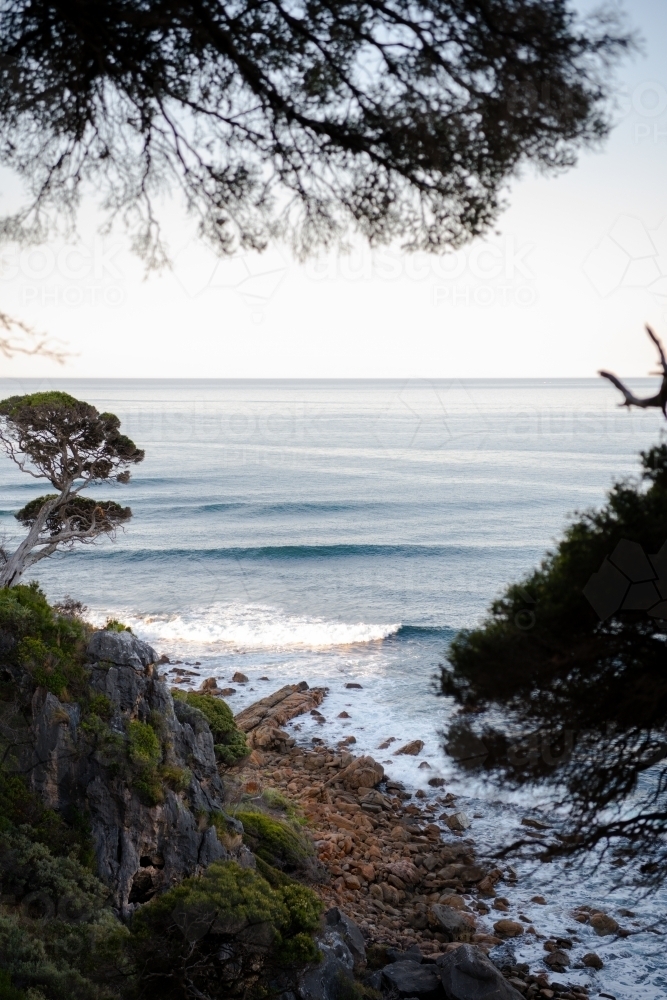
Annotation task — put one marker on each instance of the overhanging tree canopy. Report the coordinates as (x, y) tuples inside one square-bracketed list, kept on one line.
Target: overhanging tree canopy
[(565, 683), (400, 119), (53, 436)]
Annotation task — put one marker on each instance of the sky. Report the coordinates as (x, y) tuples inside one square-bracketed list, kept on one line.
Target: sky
[(575, 267)]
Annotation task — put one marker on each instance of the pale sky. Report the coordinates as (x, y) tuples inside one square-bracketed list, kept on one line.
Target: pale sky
[(578, 265)]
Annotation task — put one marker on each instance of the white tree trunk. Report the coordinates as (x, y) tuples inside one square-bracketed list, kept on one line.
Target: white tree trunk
[(24, 556)]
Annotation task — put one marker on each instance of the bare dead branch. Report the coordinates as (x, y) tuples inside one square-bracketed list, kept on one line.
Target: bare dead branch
[(660, 399)]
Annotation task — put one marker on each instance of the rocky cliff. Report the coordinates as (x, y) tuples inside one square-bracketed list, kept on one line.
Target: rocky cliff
[(141, 844)]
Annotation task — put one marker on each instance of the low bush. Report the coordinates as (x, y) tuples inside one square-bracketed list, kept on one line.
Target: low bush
[(230, 742), (274, 841)]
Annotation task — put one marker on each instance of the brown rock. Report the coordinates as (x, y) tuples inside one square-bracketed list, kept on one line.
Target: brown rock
[(455, 925), (592, 961), (239, 678), (538, 899), (470, 874), (352, 882), (457, 902), (362, 772), (405, 870), (209, 685), (343, 715), (603, 924), (367, 872), (400, 833), (390, 894), (557, 960), (458, 821), (412, 749), (225, 692), (375, 891), (508, 928)]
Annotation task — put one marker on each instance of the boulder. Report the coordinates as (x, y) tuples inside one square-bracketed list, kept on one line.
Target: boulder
[(405, 870), (363, 772), (451, 922), (508, 928), (411, 749), (557, 960), (334, 974), (592, 961), (349, 933), (603, 924), (121, 648), (412, 979), (458, 821), (467, 974)]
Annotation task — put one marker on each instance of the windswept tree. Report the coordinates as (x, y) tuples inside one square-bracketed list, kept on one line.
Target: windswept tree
[(400, 119), (564, 684), (53, 436)]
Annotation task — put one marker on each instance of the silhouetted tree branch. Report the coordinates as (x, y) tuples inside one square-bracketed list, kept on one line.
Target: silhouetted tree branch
[(394, 118), (660, 399), (19, 338)]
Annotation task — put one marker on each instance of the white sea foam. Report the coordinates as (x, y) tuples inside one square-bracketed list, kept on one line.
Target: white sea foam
[(253, 626)]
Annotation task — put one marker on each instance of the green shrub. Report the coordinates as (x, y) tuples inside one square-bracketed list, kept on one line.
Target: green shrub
[(143, 745), (47, 645), (7, 991), (145, 752), (225, 899), (113, 625), (230, 742), (274, 841), (299, 950)]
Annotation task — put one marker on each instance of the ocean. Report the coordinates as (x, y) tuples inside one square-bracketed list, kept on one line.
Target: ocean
[(342, 532)]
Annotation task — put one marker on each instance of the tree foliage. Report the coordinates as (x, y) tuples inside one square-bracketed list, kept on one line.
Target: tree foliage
[(584, 701), (53, 436), (400, 119)]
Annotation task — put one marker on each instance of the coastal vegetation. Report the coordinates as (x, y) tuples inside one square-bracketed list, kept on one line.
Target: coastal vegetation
[(230, 742), (53, 436), (573, 658), (60, 936)]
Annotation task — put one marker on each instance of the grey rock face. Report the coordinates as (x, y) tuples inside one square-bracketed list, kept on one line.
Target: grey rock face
[(350, 934), (467, 974), (326, 980), (121, 648), (412, 979), (139, 848)]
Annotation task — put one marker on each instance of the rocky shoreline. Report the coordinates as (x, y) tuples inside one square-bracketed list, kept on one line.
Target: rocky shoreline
[(405, 870)]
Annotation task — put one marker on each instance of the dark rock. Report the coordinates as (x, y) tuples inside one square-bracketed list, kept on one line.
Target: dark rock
[(451, 922), (410, 978), (467, 974), (557, 960), (413, 954), (349, 933), (121, 648), (374, 980), (355, 686), (592, 961), (328, 980)]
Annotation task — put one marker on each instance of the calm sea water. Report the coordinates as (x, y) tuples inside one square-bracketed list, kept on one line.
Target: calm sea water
[(344, 531)]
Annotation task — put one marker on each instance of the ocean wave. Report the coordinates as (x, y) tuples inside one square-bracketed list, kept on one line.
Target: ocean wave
[(252, 626), (288, 552)]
